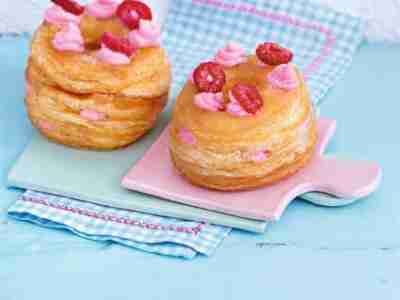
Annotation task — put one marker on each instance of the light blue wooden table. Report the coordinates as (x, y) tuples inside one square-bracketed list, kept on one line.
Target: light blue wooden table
[(312, 253)]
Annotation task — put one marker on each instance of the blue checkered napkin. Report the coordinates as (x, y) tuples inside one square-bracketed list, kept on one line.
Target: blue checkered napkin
[(166, 236), (324, 41)]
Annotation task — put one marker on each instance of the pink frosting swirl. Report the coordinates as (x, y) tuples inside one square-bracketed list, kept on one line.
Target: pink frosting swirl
[(109, 56), (57, 16), (283, 77), (187, 137), (44, 125), (92, 115), (234, 108), (209, 101), (69, 38), (102, 9), (259, 156), (28, 89), (231, 55), (147, 35)]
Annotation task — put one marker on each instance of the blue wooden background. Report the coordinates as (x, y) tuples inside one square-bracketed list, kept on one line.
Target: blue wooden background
[(312, 253)]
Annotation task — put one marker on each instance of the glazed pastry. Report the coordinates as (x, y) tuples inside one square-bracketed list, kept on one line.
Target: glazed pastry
[(97, 76), (243, 121)]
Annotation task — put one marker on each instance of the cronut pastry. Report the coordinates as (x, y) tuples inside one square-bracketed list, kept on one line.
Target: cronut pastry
[(95, 78), (243, 121)]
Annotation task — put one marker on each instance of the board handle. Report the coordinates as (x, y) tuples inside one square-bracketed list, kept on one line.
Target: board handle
[(344, 178)]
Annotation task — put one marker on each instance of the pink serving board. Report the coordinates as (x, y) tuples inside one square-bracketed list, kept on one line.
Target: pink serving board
[(154, 174)]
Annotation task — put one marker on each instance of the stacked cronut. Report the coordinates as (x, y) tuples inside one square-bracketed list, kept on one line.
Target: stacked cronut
[(97, 77)]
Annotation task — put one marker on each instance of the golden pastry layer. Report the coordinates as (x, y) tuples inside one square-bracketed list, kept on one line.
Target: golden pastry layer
[(59, 115), (76, 100), (92, 28), (83, 73), (222, 152)]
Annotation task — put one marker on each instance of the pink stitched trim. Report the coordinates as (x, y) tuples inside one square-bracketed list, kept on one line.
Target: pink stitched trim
[(251, 9), (110, 218)]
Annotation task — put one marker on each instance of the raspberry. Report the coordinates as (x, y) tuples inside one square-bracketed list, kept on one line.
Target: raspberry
[(248, 97), (130, 12), (70, 6), (209, 77), (117, 44), (273, 54)]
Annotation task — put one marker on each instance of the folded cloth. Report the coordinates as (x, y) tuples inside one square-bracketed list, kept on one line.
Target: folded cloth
[(382, 17), (323, 41), (161, 235)]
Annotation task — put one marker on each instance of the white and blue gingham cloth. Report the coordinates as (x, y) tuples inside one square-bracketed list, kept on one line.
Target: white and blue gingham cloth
[(324, 43), (166, 236)]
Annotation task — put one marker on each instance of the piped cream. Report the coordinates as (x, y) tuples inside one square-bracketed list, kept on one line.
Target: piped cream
[(102, 9), (44, 125), (187, 137), (283, 77), (209, 101), (92, 115), (69, 38), (56, 15), (147, 35), (231, 55), (109, 56)]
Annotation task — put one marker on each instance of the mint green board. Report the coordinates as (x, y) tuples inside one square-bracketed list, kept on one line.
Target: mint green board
[(96, 176)]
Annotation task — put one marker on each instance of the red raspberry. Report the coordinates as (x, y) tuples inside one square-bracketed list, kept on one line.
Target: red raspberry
[(248, 97), (273, 54), (70, 6), (130, 12), (209, 77), (117, 44)]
